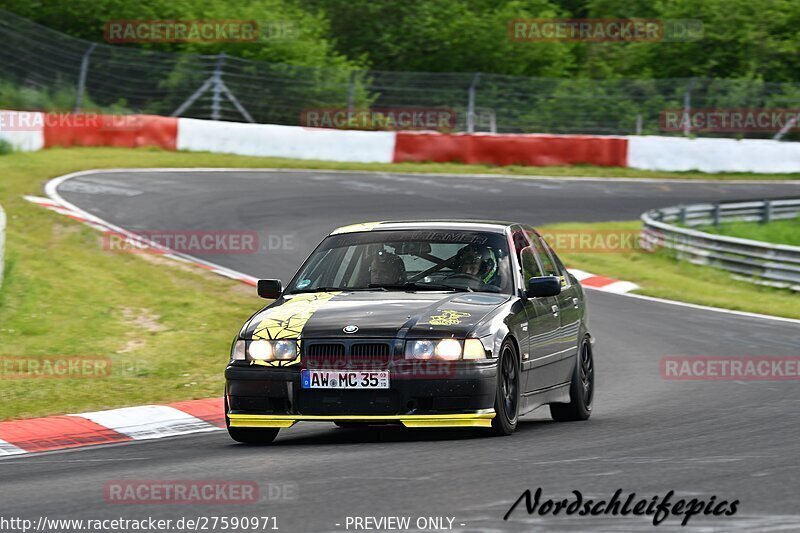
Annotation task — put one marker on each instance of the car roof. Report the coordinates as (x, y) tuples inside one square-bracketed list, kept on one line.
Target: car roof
[(492, 226)]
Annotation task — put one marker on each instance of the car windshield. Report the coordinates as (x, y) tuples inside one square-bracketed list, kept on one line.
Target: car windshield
[(410, 260)]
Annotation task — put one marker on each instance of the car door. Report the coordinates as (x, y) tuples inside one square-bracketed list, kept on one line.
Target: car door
[(542, 328), (568, 306)]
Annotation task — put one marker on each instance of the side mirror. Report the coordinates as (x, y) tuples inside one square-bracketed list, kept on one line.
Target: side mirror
[(544, 286), (270, 288)]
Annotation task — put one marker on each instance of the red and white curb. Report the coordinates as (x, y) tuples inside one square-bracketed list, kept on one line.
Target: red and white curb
[(145, 422), (602, 283)]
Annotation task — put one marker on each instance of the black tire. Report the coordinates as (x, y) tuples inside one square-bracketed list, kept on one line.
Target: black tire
[(506, 403), (581, 390), (253, 436)]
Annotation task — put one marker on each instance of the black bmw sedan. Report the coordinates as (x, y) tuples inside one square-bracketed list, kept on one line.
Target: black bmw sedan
[(419, 323)]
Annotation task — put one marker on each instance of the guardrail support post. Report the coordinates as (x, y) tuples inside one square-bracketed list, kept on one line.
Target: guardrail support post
[(766, 217), (716, 215), (682, 214), (82, 77), (471, 103)]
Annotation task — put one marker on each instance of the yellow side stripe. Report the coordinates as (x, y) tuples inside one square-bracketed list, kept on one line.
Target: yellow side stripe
[(479, 419)]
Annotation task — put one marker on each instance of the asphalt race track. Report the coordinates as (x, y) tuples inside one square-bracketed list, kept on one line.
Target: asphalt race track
[(734, 440)]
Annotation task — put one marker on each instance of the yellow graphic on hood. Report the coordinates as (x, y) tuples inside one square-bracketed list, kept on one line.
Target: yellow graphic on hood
[(288, 320), (447, 318)]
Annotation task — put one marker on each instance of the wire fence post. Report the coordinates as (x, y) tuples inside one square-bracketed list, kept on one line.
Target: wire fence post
[(471, 103), (687, 107), (82, 77), (791, 123), (216, 88), (639, 122)]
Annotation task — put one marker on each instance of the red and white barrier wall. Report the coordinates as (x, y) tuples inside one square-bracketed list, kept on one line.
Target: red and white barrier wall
[(30, 131)]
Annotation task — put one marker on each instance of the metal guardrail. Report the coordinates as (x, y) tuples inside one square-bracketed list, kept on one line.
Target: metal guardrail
[(776, 265), (2, 241)]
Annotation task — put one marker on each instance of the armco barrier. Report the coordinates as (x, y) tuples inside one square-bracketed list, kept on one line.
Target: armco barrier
[(533, 150), (125, 131), (642, 152), (2, 243), (713, 155), (286, 141), (22, 129), (771, 264)]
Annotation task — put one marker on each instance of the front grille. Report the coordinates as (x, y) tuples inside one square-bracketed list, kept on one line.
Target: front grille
[(347, 355), (372, 356), (325, 350), (370, 350), (325, 355)]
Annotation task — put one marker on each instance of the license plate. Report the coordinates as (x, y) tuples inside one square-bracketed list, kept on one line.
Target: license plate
[(344, 379)]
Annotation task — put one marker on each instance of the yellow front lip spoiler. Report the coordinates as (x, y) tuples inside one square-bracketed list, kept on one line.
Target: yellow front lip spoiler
[(482, 419)]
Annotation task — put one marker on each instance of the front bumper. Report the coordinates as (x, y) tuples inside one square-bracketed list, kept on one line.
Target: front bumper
[(480, 419), (461, 396)]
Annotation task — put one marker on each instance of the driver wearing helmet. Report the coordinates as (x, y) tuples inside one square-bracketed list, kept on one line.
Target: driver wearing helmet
[(386, 268), (478, 261)]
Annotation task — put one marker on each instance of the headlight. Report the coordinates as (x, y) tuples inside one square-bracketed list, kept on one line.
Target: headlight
[(260, 350), (446, 349), (473, 349), (238, 351), (420, 350), (284, 350), (263, 350)]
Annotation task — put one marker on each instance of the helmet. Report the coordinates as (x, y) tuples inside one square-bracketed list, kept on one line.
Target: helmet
[(478, 260), (386, 269)]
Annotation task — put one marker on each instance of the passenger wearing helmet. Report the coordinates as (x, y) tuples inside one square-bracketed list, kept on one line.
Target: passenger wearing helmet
[(386, 269), (476, 261)]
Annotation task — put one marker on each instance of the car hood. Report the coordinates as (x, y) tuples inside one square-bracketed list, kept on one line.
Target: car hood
[(375, 314)]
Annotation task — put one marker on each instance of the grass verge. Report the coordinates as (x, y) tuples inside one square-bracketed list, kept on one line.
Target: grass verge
[(166, 329), (777, 232), (661, 275)]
